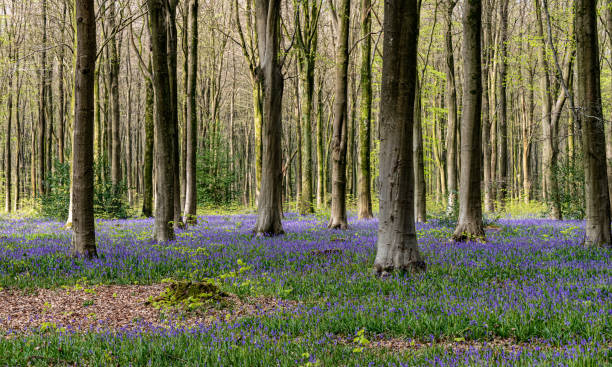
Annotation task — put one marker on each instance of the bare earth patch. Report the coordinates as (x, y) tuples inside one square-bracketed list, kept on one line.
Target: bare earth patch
[(112, 307)]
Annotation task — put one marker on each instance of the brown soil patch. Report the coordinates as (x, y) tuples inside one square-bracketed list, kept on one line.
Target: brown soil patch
[(113, 307)]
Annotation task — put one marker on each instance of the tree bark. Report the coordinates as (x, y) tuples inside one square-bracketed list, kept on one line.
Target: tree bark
[(147, 197), (114, 69), (593, 139), (365, 123), (502, 111), (338, 219), (164, 157), (84, 236), (549, 156), (270, 73), (470, 224), (451, 106), (420, 190), (42, 112), (191, 194), (397, 247)]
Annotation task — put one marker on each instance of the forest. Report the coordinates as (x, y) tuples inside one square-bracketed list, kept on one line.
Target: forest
[(306, 182)]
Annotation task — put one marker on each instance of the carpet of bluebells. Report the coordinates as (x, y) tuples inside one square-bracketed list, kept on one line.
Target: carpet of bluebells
[(532, 284)]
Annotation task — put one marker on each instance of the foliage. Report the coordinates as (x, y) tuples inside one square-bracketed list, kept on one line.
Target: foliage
[(189, 295), (108, 200), (215, 179), (518, 208), (570, 175)]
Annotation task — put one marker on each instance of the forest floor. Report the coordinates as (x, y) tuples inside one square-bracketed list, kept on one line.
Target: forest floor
[(531, 295)]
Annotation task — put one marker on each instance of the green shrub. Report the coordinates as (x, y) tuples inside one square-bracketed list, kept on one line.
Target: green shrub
[(108, 200)]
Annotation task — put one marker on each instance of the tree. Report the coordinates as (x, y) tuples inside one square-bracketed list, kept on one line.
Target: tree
[(84, 236), (470, 225), (191, 198), (502, 109), (591, 116), (397, 247), (306, 41), (267, 13), (365, 122), (113, 75), (549, 151), (451, 106), (338, 218), (164, 123)]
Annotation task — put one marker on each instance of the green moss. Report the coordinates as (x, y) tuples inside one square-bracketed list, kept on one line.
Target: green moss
[(191, 296)]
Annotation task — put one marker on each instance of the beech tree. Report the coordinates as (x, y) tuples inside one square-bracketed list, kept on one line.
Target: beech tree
[(269, 200), (397, 247), (470, 225), (164, 122), (590, 113), (338, 219), (191, 192), (83, 224)]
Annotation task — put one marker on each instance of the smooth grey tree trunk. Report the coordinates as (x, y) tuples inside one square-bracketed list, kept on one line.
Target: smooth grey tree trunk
[(470, 224), (397, 247), (593, 140), (83, 224), (451, 106), (420, 189), (338, 219), (269, 199), (191, 194), (164, 157)]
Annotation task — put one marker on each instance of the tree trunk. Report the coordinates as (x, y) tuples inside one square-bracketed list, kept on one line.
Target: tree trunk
[(270, 73), (451, 106), (115, 106), (320, 155), (147, 199), (173, 79), (397, 247), (84, 235), (164, 157), (486, 121), (338, 218), (42, 112), (608, 12), (502, 111), (9, 159), (365, 124), (191, 194), (420, 204), (593, 139), (549, 159), (470, 224)]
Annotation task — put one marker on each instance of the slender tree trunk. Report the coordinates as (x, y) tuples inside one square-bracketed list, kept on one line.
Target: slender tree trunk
[(42, 112), (365, 122), (147, 197), (84, 235), (549, 159), (608, 12), (269, 200), (470, 224), (8, 158), (420, 204), (115, 105), (338, 218), (61, 121), (191, 197), (486, 121), (397, 247), (173, 78), (593, 138), (451, 106), (164, 157), (320, 155), (502, 111)]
